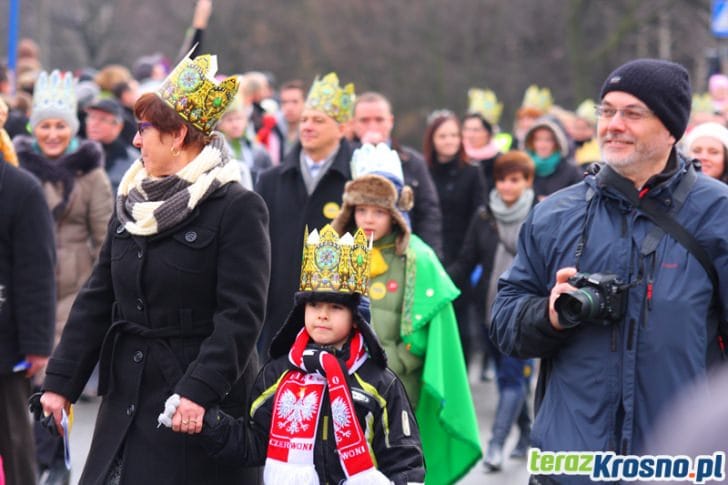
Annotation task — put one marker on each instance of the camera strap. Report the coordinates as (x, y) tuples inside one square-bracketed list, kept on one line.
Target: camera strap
[(665, 223)]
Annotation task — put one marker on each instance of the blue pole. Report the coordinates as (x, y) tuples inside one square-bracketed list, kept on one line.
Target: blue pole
[(13, 28)]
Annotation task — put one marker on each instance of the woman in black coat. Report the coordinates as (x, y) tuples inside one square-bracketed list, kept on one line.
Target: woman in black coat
[(460, 189), (176, 300)]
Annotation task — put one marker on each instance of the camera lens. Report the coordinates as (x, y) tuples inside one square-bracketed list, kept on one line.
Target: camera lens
[(575, 307)]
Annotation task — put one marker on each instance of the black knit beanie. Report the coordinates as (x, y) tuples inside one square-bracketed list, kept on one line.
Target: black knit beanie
[(662, 85)]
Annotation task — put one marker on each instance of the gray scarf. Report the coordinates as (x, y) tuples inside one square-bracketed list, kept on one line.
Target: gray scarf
[(309, 180), (508, 221), (149, 205)]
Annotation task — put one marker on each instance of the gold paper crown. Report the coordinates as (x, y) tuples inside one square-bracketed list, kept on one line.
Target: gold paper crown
[(702, 103), (326, 95), (484, 103), (588, 111), (538, 98), (191, 90), (335, 264)]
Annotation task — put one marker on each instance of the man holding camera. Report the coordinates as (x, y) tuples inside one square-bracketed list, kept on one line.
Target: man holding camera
[(623, 315)]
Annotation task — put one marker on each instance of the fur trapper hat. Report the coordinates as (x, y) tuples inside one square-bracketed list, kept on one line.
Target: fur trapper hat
[(376, 190)]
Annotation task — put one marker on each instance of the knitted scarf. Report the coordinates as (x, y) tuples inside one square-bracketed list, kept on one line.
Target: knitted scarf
[(148, 205), (296, 412), (545, 166)]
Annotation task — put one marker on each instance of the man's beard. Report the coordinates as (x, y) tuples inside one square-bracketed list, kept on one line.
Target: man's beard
[(643, 155)]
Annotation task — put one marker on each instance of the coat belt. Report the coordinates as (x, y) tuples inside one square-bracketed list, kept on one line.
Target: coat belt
[(159, 344)]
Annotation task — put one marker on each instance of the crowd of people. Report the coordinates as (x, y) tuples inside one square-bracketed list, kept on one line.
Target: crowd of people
[(298, 296)]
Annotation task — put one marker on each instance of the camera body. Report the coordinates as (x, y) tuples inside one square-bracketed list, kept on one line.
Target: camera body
[(600, 299)]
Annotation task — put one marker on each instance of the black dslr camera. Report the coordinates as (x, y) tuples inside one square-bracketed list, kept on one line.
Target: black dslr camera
[(600, 299)]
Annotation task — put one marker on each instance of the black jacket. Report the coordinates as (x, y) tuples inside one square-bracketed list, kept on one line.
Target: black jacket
[(180, 312), (397, 448), (460, 189), (291, 210), (479, 245), (426, 215), (27, 259)]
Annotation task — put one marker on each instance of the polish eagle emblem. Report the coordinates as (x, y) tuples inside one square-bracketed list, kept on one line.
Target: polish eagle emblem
[(341, 416), (295, 413)]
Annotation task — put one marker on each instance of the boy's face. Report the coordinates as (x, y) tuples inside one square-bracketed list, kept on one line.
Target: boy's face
[(328, 323), (511, 187), (373, 220)]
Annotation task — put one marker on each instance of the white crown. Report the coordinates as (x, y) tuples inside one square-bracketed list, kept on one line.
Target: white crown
[(379, 160), (55, 93)]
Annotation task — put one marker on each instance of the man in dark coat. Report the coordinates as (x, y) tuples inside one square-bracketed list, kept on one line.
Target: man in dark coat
[(373, 123), (104, 124), (304, 190), (27, 311)]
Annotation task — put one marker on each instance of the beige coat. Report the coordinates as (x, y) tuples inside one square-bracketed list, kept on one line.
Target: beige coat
[(79, 233)]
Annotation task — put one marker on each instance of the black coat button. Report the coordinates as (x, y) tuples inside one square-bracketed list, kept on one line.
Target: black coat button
[(130, 410), (138, 356), (140, 304), (139, 254), (120, 229), (190, 236)]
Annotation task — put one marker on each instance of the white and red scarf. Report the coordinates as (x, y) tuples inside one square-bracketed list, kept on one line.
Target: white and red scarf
[(296, 411)]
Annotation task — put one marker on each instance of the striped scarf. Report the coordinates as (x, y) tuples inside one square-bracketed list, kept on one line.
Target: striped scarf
[(148, 205), (296, 416)]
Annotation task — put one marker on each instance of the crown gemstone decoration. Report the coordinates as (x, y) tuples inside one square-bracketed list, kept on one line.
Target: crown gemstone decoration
[(56, 92), (192, 91), (538, 98), (335, 264), (379, 160), (484, 103), (326, 95)]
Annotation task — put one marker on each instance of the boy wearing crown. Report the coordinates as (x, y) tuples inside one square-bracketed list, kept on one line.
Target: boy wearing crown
[(305, 189), (325, 408), (412, 313)]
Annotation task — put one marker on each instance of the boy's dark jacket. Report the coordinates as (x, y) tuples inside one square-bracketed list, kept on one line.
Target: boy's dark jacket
[(375, 390)]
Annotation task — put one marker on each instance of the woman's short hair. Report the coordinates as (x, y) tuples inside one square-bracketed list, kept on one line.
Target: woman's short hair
[(151, 108), (515, 161)]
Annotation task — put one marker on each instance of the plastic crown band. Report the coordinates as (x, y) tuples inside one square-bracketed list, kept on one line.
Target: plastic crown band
[(335, 264), (55, 93), (484, 103), (538, 98), (326, 95), (379, 160), (192, 91)]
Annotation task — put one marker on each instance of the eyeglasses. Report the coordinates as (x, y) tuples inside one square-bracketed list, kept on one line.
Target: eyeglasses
[(143, 125), (629, 113)]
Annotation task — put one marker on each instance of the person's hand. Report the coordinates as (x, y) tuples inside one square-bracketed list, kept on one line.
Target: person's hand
[(54, 404), (203, 9), (37, 362), (561, 286), (188, 418)]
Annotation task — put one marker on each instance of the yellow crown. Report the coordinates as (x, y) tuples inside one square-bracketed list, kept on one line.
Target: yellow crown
[(588, 111), (484, 103), (538, 98), (326, 95), (702, 103), (335, 264), (191, 90)]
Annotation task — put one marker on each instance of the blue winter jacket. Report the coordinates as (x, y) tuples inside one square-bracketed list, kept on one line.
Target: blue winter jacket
[(607, 384)]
